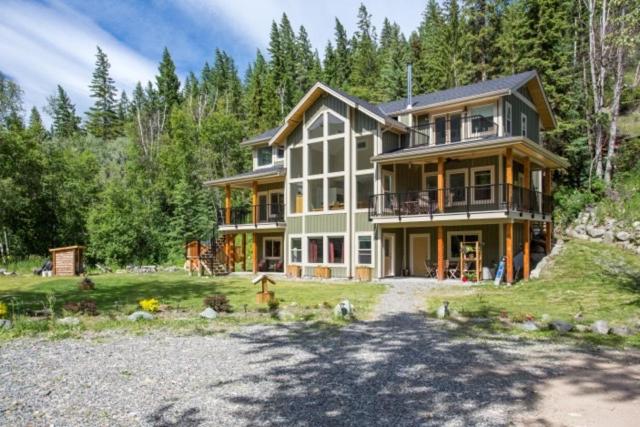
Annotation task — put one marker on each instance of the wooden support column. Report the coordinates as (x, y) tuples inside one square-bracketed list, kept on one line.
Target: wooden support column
[(441, 272), (254, 200), (254, 252), (526, 249), (244, 251), (232, 253), (227, 204), (508, 179), (226, 252), (509, 249), (441, 184)]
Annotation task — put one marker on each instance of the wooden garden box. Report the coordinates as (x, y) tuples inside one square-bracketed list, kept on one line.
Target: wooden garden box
[(363, 274), (294, 271), (67, 261), (322, 272)]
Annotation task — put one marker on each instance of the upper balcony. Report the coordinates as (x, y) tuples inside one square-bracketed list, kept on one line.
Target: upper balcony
[(454, 128), (262, 216)]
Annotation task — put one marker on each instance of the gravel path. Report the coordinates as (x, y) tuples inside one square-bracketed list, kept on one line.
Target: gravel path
[(396, 369)]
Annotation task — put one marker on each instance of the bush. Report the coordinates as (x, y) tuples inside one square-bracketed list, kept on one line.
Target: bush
[(273, 304), (88, 307), (4, 310), (569, 203), (151, 305), (218, 302), (86, 284)]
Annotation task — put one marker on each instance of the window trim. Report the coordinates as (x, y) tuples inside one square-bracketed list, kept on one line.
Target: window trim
[(302, 251), (508, 118), (344, 251), (470, 133), (460, 233), (472, 183), (371, 236), (257, 164), (264, 248), (448, 174)]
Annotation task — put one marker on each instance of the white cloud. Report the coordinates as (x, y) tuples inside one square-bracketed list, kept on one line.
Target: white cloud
[(48, 44), (250, 20)]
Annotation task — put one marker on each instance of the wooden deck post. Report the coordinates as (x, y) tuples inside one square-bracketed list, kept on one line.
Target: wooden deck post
[(227, 204), (254, 252), (509, 249), (254, 201), (441, 184), (232, 253), (509, 176), (526, 249), (244, 251), (441, 272)]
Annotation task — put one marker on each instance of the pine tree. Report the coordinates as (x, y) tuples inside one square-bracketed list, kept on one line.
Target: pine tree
[(307, 65), (394, 54), (364, 71), (515, 40), (167, 81), (36, 128), (261, 103), (482, 29), (433, 66), (329, 68), (124, 108), (63, 113), (343, 57), (102, 116)]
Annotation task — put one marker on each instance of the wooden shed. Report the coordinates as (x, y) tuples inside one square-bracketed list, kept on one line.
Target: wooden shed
[(67, 261)]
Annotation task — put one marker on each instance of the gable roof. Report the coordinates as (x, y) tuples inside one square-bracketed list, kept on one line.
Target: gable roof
[(246, 178), (263, 137)]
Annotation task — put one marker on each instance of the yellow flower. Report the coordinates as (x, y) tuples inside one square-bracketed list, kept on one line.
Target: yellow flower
[(3, 310), (151, 305)]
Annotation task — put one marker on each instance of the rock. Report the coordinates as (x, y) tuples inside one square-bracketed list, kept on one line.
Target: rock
[(621, 331), (68, 321), (209, 313), (343, 309), (636, 225), (5, 324), (545, 318), (595, 231), (580, 229), (480, 320), (561, 326), (443, 310), (528, 326), (137, 315), (623, 236), (600, 327), (582, 328), (285, 315), (608, 237)]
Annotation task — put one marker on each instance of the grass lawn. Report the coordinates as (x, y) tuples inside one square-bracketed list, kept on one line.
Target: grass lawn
[(117, 295), (599, 281)]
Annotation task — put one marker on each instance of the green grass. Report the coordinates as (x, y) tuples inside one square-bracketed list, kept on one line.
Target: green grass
[(117, 295), (596, 280)]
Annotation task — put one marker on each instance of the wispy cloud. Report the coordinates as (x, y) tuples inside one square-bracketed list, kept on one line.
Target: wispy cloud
[(45, 44)]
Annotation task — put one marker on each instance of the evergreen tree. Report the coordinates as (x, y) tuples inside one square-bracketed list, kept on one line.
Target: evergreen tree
[(306, 65), (364, 71), (124, 108), (261, 103), (167, 82), (10, 100), (433, 65), (480, 37), (515, 40), (342, 57), (394, 55), (102, 116), (63, 114), (36, 128)]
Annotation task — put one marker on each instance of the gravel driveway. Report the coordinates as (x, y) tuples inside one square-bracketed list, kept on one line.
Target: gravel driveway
[(397, 369)]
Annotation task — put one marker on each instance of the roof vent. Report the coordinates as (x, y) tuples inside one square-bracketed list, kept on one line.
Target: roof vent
[(409, 86)]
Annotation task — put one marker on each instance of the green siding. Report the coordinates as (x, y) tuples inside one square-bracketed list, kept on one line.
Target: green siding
[(328, 101), (327, 223), (361, 222), (364, 123), (294, 225), (517, 108), (296, 136), (390, 141)]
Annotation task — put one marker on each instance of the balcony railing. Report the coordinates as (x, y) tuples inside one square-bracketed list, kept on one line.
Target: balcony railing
[(481, 198), (455, 128), (264, 214)]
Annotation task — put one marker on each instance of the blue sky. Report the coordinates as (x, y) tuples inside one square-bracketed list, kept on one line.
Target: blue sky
[(49, 42)]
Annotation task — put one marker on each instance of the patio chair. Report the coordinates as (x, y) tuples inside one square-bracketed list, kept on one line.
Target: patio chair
[(454, 273), (430, 269)]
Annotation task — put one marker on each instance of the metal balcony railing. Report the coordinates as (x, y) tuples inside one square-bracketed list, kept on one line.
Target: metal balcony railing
[(455, 128), (256, 214), (481, 198)]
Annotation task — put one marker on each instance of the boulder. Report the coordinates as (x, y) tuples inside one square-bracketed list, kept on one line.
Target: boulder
[(621, 331), (209, 313), (600, 327), (636, 225), (623, 236), (582, 328), (5, 324), (343, 309), (545, 318), (608, 237), (443, 310), (68, 321), (595, 231), (285, 315), (580, 228), (528, 326), (140, 315), (560, 326)]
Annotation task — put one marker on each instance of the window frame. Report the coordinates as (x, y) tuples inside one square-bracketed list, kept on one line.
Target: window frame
[(448, 174), (264, 248), (322, 253), (508, 119), (523, 124), (293, 237), (472, 183), (344, 246), (257, 157), (450, 234), (371, 250)]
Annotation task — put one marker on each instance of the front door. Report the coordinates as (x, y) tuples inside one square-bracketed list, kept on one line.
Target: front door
[(419, 254), (388, 253)]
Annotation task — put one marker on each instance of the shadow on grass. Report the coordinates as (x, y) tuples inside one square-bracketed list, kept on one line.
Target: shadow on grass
[(166, 416), (400, 370)]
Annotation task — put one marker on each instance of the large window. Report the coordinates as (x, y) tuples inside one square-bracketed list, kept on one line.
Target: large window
[(316, 194), (336, 155), (314, 158), (364, 152), (265, 156), (295, 163), (296, 249), (272, 248), (336, 250), (315, 253), (296, 199), (481, 119), (335, 125), (364, 189), (315, 130), (456, 238), (336, 193), (364, 249)]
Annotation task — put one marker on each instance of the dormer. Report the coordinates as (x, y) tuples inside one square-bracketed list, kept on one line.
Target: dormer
[(264, 155)]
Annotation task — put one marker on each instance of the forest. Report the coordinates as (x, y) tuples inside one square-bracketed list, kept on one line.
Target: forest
[(125, 177)]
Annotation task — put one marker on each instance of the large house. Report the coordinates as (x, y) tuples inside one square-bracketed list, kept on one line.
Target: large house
[(345, 188)]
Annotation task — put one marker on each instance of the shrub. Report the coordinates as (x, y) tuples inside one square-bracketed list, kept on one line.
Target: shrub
[(4, 310), (569, 203), (273, 304), (86, 284), (150, 304), (218, 302), (88, 307)]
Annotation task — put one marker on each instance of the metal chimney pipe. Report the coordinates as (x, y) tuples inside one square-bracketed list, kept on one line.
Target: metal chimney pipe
[(409, 86)]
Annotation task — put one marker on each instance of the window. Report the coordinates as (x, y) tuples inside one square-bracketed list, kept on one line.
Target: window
[(336, 250), (364, 249), (364, 189), (457, 187), (364, 152), (335, 125), (481, 119), (280, 152), (336, 155), (482, 180), (441, 130), (507, 118), (316, 195), (523, 124), (336, 193), (456, 238), (296, 249), (295, 163), (296, 199), (314, 253), (315, 129), (264, 155), (455, 127), (272, 248), (431, 185), (314, 158)]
